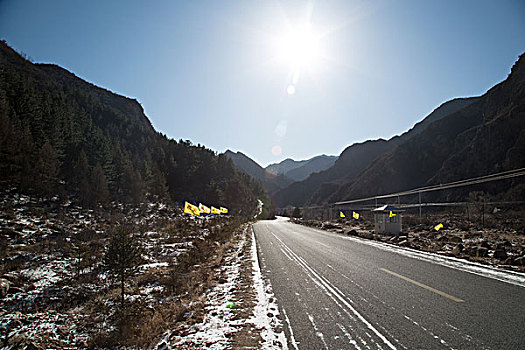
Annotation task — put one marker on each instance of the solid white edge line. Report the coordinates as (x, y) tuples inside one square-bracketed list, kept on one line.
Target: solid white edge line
[(511, 277), (336, 294), (294, 342)]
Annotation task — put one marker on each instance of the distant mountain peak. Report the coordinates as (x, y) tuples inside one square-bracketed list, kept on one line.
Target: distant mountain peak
[(300, 169)]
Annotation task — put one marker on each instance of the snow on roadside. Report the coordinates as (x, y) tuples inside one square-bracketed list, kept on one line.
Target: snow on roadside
[(221, 321), (217, 328), (265, 311)]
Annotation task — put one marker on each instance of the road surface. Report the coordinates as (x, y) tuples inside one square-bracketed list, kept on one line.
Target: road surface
[(338, 292)]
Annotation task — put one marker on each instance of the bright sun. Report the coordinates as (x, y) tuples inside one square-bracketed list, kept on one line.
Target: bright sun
[(298, 47)]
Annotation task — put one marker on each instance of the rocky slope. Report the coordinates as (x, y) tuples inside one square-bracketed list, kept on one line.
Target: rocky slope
[(482, 138), (462, 138)]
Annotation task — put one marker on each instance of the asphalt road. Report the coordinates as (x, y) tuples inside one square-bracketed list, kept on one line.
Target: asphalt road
[(338, 292)]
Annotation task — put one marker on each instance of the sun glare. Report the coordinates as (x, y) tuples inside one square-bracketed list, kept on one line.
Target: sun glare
[(298, 47)]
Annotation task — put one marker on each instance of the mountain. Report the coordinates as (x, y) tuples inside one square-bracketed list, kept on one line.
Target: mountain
[(284, 166), (353, 160), (486, 136), (60, 135), (269, 181), (462, 138), (300, 170)]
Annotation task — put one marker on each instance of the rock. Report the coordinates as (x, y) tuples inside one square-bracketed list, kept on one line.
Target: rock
[(482, 252), (367, 235), (458, 249), (162, 346), (443, 237), (414, 240), (4, 287), (12, 278), (509, 261), (352, 233), (500, 253), (470, 250), (14, 290), (328, 226), (404, 243), (455, 239), (485, 244)]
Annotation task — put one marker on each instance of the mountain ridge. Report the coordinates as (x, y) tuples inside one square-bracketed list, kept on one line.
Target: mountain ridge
[(472, 141), (367, 168), (61, 135), (270, 182), (299, 170)]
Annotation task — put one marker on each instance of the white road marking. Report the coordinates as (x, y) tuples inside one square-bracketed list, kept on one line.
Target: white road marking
[(511, 277), (317, 331), (292, 339), (315, 277), (419, 284)]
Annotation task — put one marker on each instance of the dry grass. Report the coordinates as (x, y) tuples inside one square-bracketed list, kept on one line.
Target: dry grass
[(186, 283)]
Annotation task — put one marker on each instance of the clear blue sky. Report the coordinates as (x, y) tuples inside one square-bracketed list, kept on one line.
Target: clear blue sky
[(214, 72)]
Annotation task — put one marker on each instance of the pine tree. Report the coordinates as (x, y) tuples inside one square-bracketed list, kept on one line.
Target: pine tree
[(81, 177), (99, 186), (46, 169), (123, 257)]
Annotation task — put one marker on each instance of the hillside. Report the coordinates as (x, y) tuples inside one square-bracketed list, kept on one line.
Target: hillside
[(354, 159), (300, 170), (462, 138), (482, 138), (270, 182), (284, 166), (62, 135)]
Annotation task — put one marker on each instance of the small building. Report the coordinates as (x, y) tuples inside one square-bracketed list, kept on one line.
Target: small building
[(387, 219)]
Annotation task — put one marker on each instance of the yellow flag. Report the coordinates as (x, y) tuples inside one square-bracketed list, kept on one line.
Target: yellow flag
[(355, 215), (392, 214), (437, 227), (341, 214), (215, 211), (224, 210), (191, 209), (204, 209)]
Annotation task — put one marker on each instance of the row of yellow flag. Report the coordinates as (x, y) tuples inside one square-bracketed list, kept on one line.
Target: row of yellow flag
[(202, 209), (354, 215)]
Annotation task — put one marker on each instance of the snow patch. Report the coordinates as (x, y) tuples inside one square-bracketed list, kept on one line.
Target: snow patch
[(266, 310), (511, 277)]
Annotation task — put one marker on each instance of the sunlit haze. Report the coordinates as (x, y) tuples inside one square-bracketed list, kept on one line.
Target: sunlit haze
[(276, 79)]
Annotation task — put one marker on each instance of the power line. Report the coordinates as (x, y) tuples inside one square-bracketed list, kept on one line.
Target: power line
[(467, 182)]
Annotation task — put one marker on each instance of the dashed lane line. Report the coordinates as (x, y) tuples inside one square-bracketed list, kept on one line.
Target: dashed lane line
[(419, 284)]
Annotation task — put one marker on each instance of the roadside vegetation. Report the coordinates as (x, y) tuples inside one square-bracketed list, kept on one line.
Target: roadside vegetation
[(119, 276)]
